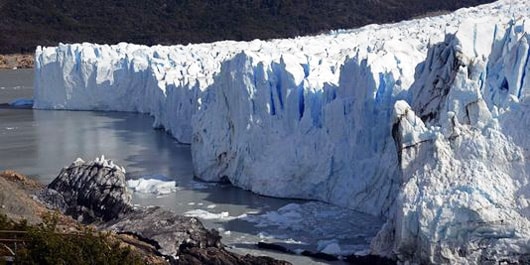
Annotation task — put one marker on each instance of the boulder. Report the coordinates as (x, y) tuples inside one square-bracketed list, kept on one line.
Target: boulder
[(166, 230), (216, 256), (90, 191)]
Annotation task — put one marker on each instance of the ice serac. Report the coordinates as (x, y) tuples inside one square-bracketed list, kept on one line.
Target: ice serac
[(391, 120), (463, 159)]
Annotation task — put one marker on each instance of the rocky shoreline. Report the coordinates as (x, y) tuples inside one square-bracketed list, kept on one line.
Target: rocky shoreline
[(18, 205), (94, 194), (17, 61)]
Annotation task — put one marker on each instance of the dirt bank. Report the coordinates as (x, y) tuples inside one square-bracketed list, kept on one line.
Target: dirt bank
[(16, 61)]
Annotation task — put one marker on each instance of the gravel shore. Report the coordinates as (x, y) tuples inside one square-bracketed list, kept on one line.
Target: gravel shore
[(16, 61)]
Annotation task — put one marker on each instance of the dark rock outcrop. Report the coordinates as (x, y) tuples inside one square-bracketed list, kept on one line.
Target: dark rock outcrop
[(216, 256), (181, 239), (166, 230), (90, 191)]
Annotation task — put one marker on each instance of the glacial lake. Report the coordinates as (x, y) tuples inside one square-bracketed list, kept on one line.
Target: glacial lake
[(39, 143)]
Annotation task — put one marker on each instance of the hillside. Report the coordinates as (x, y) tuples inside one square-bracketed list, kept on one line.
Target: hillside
[(28, 23)]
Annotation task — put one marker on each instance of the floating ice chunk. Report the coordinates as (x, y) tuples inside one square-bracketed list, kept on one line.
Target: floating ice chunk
[(21, 102), (329, 247), (152, 185), (199, 213)]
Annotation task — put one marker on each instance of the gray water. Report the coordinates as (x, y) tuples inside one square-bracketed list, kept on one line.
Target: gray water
[(39, 143)]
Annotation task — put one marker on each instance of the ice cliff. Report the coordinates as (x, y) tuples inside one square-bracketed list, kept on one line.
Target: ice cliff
[(463, 152), (423, 122)]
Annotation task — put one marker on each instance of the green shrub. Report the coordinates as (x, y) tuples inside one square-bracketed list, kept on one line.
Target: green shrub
[(44, 245)]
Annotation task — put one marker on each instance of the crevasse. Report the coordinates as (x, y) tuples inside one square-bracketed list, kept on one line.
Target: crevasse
[(422, 122)]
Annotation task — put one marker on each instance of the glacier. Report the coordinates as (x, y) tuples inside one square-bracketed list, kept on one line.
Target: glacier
[(423, 122)]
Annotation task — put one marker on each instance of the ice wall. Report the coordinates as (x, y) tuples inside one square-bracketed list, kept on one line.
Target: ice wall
[(165, 82), (463, 156), (392, 120)]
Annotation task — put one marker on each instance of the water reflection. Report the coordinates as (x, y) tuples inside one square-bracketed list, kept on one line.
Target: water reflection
[(48, 140), (15, 84)]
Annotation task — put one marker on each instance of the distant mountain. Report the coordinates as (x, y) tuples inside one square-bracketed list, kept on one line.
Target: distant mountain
[(25, 24)]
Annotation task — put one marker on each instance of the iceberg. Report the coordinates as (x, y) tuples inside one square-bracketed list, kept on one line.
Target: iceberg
[(21, 102), (422, 122), (157, 185), (206, 215)]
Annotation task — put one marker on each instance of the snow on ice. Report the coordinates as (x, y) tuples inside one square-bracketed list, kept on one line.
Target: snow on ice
[(423, 122), (203, 214), (158, 185)]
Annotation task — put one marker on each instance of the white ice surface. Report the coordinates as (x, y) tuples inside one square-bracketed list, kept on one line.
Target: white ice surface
[(464, 152), (203, 214), (423, 122), (154, 185)]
